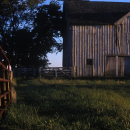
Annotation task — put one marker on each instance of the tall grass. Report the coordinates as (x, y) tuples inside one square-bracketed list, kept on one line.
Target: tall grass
[(44, 104)]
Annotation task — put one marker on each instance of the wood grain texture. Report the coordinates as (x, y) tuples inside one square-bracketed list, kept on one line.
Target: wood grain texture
[(94, 42)]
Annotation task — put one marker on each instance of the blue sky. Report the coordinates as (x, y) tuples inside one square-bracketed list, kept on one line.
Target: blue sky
[(56, 59)]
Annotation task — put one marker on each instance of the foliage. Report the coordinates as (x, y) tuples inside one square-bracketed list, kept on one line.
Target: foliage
[(70, 104), (28, 46)]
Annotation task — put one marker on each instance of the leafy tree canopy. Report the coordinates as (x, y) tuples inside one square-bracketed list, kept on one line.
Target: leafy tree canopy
[(28, 46)]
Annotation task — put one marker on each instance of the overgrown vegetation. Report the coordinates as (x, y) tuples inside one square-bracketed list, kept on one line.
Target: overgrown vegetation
[(44, 104)]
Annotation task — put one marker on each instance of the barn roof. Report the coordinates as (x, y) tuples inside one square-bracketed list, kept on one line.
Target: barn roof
[(98, 13)]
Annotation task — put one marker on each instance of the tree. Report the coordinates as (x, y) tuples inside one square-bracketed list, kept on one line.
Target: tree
[(28, 47)]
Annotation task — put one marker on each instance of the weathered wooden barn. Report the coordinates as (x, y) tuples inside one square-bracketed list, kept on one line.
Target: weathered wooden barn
[(96, 41)]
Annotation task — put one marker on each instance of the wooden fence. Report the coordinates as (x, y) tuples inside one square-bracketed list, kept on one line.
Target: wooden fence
[(57, 72), (5, 84), (28, 72)]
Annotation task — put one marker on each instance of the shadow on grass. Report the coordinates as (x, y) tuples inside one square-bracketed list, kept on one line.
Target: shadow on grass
[(89, 78), (66, 109)]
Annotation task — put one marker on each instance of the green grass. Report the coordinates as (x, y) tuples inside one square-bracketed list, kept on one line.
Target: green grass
[(44, 104)]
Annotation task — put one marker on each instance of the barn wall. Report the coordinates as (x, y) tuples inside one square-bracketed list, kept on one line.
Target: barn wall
[(94, 42)]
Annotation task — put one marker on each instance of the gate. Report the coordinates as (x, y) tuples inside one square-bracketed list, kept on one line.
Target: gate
[(5, 83), (56, 72)]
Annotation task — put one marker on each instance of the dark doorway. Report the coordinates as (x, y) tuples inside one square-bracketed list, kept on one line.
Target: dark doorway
[(110, 66), (127, 66), (123, 66)]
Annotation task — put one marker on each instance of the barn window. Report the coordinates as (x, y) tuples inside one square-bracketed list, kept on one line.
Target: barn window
[(89, 62), (128, 38)]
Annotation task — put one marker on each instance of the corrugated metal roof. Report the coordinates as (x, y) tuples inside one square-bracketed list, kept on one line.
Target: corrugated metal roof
[(85, 12)]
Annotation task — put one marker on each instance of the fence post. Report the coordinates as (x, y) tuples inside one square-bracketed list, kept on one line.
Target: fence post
[(2, 91), (7, 85), (11, 75), (74, 71), (55, 72)]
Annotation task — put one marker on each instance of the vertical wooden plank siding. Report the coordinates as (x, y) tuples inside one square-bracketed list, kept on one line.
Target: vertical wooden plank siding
[(116, 66), (85, 48), (125, 28), (80, 46), (105, 39), (73, 46), (128, 31), (77, 50), (90, 44), (83, 54), (82, 51), (123, 39), (88, 49), (90, 33), (126, 34), (75, 43), (94, 42), (103, 52), (96, 54), (98, 51), (93, 50), (117, 47), (74, 40), (113, 34), (111, 39), (77, 53), (125, 22), (90, 28), (120, 39), (108, 39)]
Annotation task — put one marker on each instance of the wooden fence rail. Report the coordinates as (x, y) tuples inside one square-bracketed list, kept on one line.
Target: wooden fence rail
[(5, 83), (57, 72)]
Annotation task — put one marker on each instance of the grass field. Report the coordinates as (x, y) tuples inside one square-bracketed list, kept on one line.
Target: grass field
[(43, 104)]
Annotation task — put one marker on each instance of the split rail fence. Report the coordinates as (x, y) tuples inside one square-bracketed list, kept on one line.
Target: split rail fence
[(5, 84)]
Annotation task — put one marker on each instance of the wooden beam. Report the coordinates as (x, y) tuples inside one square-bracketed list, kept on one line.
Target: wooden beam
[(116, 66), (121, 19)]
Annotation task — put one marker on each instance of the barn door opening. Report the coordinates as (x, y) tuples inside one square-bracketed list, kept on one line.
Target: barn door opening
[(110, 69), (127, 66), (117, 66), (89, 67), (121, 63)]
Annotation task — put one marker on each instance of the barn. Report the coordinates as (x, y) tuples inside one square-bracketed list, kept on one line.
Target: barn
[(96, 39)]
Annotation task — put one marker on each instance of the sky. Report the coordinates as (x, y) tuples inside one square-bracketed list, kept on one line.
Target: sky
[(56, 59)]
